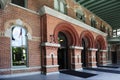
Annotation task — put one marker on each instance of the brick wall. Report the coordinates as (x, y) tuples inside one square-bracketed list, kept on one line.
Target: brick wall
[(32, 19), (5, 56)]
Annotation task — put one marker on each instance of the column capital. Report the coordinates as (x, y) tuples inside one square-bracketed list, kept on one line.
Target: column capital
[(75, 47), (50, 44), (92, 49), (103, 50)]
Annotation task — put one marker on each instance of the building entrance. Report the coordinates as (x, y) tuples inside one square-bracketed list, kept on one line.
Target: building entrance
[(62, 51), (83, 54)]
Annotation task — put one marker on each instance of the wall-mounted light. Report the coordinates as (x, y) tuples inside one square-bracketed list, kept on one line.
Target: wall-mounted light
[(61, 40)]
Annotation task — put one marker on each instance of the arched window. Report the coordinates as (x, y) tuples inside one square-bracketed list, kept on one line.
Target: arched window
[(93, 22), (19, 46), (80, 15), (19, 2), (60, 5)]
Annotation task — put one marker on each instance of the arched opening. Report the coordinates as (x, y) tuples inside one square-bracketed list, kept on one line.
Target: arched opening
[(70, 37), (98, 46), (62, 51), (84, 52), (87, 42), (19, 46)]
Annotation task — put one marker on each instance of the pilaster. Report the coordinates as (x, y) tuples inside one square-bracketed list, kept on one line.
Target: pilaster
[(103, 58), (92, 57), (50, 57), (76, 57)]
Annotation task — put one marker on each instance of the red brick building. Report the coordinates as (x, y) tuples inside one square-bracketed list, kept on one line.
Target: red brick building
[(50, 35)]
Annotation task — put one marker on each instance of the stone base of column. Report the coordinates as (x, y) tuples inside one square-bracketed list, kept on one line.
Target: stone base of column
[(103, 63), (92, 65), (77, 66), (50, 69)]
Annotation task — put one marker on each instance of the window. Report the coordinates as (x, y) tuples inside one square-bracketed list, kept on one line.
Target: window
[(114, 33), (80, 15), (0, 6), (108, 31), (19, 46), (93, 22), (19, 2), (60, 5)]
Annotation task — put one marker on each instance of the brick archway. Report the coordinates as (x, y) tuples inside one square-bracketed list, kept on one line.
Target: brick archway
[(101, 41), (88, 35), (69, 31), (100, 44), (87, 42)]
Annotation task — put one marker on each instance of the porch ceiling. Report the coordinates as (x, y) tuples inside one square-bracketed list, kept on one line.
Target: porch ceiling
[(108, 10)]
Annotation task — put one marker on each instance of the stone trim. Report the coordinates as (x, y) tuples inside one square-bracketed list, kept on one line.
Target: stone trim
[(76, 56), (77, 63), (57, 72), (50, 66), (20, 74), (92, 49), (50, 44), (92, 62), (75, 47), (103, 50), (50, 57), (91, 56), (103, 61), (35, 38), (80, 69), (1, 70), (20, 68), (52, 12), (93, 66)]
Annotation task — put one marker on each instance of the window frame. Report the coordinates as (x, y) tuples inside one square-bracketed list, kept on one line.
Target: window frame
[(80, 15), (93, 22), (59, 4), (25, 47)]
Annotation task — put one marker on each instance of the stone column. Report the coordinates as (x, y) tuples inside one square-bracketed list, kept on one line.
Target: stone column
[(76, 57), (50, 57), (91, 57), (103, 57)]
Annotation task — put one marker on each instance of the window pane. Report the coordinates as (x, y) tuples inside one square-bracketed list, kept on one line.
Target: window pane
[(118, 33), (19, 46), (62, 8), (56, 5)]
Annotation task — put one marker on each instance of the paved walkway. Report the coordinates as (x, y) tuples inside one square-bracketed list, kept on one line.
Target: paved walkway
[(60, 76)]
